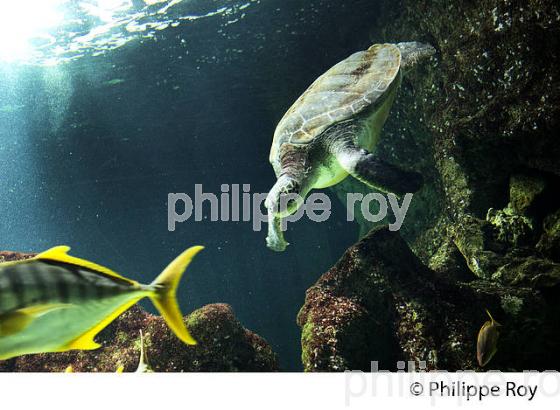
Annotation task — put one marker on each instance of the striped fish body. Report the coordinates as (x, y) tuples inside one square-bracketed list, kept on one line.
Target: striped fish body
[(36, 282), (79, 299), (56, 302)]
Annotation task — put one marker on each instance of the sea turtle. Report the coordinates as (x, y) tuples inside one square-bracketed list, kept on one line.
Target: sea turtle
[(332, 129)]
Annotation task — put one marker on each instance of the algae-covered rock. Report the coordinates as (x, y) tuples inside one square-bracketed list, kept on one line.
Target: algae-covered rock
[(549, 243), (530, 271), (224, 345), (479, 122), (448, 262), (14, 256), (523, 190), (511, 229), (380, 303)]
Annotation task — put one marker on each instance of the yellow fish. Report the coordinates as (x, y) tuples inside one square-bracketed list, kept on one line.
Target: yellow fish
[(55, 302), (486, 345)]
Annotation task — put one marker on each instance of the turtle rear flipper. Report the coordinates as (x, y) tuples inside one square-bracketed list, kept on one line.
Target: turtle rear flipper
[(376, 173)]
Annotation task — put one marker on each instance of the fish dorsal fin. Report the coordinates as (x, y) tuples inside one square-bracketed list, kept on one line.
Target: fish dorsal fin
[(60, 254), (492, 319)]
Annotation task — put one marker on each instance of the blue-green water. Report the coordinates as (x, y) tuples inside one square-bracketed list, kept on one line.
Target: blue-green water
[(110, 109)]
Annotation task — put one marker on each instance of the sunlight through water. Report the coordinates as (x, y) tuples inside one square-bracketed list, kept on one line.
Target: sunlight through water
[(47, 32)]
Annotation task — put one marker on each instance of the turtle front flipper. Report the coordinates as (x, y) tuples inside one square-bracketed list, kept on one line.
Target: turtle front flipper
[(374, 172), (284, 199), (275, 238)]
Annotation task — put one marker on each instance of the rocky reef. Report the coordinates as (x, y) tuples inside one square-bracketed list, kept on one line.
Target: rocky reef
[(381, 303), (479, 121), (224, 345), (489, 104)]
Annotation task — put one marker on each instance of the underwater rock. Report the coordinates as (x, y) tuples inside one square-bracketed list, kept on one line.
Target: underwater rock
[(224, 345), (523, 190), (14, 256), (380, 303), (448, 262), (512, 229), (515, 223), (549, 243), (479, 122), (529, 271)]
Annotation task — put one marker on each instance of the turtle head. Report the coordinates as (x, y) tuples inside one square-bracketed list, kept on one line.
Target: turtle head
[(413, 51)]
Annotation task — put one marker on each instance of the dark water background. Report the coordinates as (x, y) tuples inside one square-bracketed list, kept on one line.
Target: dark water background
[(89, 162)]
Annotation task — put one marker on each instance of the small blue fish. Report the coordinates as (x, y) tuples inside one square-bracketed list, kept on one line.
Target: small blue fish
[(55, 302)]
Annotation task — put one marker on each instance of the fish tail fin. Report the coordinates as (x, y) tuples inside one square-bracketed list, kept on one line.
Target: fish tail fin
[(491, 318), (164, 295)]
